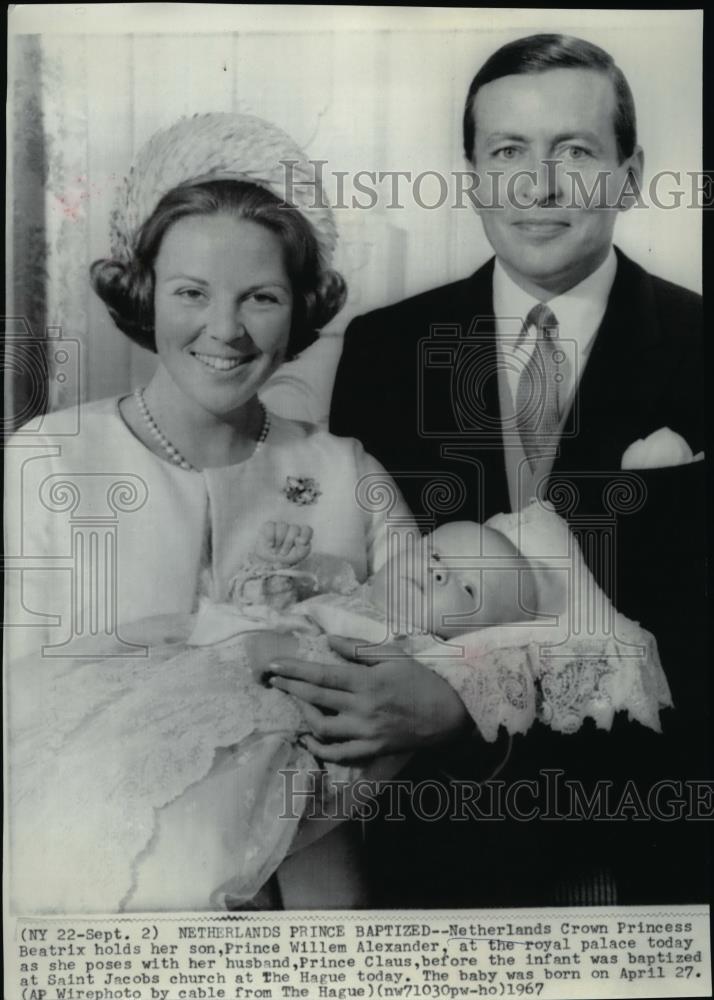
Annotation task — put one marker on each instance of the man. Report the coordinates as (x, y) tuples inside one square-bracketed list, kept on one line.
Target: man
[(533, 377)]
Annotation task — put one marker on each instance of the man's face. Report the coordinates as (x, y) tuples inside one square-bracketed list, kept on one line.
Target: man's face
[(523, 124)]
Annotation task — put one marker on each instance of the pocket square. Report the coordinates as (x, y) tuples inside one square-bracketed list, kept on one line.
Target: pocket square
[(662, 449)]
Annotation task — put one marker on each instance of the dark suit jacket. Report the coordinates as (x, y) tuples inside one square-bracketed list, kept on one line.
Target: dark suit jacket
[(417, 384)]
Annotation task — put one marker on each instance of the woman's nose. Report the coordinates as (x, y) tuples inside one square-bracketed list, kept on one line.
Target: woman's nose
[(227, 323)]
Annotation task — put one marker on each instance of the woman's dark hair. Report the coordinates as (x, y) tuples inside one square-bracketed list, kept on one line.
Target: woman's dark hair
[(128, 289), (539, 53)]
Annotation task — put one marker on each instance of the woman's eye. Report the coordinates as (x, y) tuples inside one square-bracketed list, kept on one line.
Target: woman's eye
[(264, 298), (190, 294)]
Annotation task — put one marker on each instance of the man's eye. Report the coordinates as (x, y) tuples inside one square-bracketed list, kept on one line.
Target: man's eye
[(576, 152), (506, 152)]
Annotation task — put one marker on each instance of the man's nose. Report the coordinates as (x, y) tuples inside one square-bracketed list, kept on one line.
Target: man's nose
[(546, 174), (537, 182)]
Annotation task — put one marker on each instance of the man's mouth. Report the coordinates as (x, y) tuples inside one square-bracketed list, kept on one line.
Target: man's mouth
[(545, 227), (221, 364)]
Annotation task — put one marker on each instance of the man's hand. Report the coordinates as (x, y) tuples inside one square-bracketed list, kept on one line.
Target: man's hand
[(378, 704)]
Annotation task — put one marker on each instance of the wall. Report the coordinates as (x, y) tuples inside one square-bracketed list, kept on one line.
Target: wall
[(371, 90)]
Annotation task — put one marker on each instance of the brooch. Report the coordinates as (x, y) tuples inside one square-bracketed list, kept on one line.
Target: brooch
[(302, 490)]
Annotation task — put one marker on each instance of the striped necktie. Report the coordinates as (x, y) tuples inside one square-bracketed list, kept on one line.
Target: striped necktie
[(538, 412)]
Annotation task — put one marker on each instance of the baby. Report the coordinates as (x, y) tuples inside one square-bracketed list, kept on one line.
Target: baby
[(521, 637), (494, 609), (461, 577)]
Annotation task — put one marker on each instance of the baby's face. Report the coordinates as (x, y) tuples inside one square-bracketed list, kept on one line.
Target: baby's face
[(455, 581), (464, 577)]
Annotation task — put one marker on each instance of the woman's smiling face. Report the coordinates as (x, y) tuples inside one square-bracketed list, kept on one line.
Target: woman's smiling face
[(223, 305)]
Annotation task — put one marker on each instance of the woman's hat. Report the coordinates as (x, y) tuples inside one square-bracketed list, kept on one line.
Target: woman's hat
[(220, 146)]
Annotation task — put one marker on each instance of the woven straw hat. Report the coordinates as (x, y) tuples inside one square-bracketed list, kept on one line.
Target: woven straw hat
[(219, 146)]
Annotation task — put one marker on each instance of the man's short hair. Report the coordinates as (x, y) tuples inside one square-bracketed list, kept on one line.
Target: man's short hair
[(539, 53)]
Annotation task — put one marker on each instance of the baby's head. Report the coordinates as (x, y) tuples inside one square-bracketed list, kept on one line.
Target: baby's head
[(466, 576)]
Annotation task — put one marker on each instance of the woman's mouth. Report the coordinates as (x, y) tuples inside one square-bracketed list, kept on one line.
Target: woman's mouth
[(220, 364)]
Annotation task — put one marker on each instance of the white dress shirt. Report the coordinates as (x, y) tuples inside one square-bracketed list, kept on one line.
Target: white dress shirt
[(579, 312)]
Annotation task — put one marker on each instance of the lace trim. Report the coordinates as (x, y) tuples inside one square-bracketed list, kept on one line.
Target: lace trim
[(513, 686)]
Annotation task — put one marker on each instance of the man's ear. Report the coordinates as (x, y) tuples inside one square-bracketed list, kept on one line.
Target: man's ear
[(471, 188), (630, 193)]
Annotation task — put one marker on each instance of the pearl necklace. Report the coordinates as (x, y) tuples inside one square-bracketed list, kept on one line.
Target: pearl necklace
[(173, 453)]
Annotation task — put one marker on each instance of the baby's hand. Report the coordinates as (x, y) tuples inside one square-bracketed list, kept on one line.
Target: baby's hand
[(283, 543)]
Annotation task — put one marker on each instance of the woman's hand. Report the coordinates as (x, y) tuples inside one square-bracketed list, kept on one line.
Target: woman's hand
[(379, 704)]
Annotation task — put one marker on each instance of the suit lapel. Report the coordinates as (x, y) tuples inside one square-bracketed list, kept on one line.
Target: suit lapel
[(481, 331), (618, 386), (475, 393)]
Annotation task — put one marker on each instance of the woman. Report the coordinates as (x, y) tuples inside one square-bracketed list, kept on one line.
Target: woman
[(211, 269), (217, 272)]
